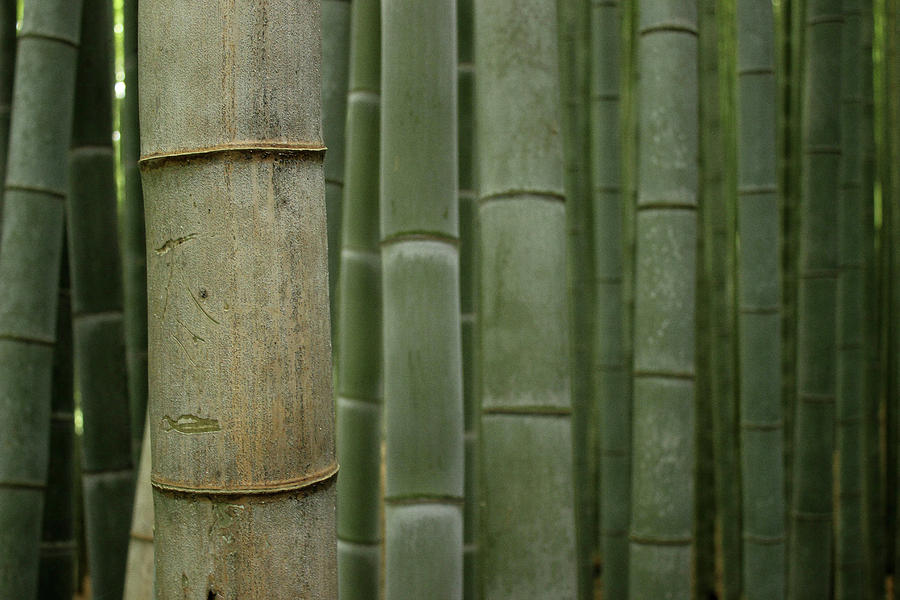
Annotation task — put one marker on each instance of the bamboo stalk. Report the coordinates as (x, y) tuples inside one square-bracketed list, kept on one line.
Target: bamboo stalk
[(30, 252), (97, 319), (241, 414), (811, 503), (761, 419), (335, 67), (139, 569), (662, 523), (425, 454), (8, 15), (528, 505), (359, 319)]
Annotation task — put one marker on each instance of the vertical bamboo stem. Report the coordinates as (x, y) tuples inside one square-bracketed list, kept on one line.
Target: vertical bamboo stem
[(241, 411), (8, 15), (139, 570)]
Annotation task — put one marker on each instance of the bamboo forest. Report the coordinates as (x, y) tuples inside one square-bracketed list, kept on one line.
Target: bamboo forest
[(449, 299)]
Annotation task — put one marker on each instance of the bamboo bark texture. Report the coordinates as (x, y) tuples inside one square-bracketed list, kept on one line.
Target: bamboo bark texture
[(664, 371), (335, 64), (613, 425), (97, 319), (527, 512), (759, 300), (424, 449), (36, 186), (358, 352), (811, 503), (241, 415)]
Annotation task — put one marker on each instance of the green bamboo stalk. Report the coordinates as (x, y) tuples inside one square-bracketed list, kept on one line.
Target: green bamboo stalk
[(359, 320), (662, 521), (610, 374), (425, 453), (574, 26), (30, 252), (465, 74), (759, 325), (850, 320), (8, 15), (811, 503), (58, 546), (134, 260), (528, 541), (97, 319), (335, 66), (139, 569), (716, 207), (241, 407)]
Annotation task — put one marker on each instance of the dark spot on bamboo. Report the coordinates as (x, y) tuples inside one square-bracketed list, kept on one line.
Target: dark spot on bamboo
[(203, 293)]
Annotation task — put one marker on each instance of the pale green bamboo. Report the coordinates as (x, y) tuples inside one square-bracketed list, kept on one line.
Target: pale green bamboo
[(424, 447), (359, 321), (850, 320), (8, 15), (58, 547), (97, 318), (241, 406), (134, 260), (528, 545), (662, 517), (335, 67), (30, 252), (810, 552), (610, 374), (465, 72), (139, 570), (759, 285)]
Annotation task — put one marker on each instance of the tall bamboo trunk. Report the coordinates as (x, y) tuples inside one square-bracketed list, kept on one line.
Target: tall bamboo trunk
[(97, 319), (8, 15), (811, 502), (528, 524), (468, 271), (139, 570), (58, 546), (759, 297), (134, 260), (359, 321), (30, 250), (850, 320), (335, 66), (662, 523), (241, 416), (613, 424), (422, 341)]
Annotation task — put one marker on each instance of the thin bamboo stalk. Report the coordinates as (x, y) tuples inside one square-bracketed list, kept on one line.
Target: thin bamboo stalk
[(30, 250), (335, 67), (8, 16), (610, 374), (424, 446), (58, 546), (662, 517), (811, 503), (97, 319), (528, 506), (139, 570), (241, 407), (759, 326), (359, 419)]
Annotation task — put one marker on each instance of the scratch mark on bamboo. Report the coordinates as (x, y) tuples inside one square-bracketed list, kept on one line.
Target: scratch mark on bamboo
[(171, 244), (200, 306), (196, 337), (190, 424), (186, 353)]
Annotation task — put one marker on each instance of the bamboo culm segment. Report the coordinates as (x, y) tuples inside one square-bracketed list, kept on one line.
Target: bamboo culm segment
[(335, 63), (30, 248), (613, 424), (97, 319), (241, 415), (759, 299), (7, 70), (420, 288), (664, 372), (850, 385), (134, 260), (528, 538), (139, 570), (811, 502), (58, 546), (358, 351)]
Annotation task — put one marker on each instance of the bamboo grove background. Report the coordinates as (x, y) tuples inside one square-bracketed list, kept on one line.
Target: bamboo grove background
[(611, 290)]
